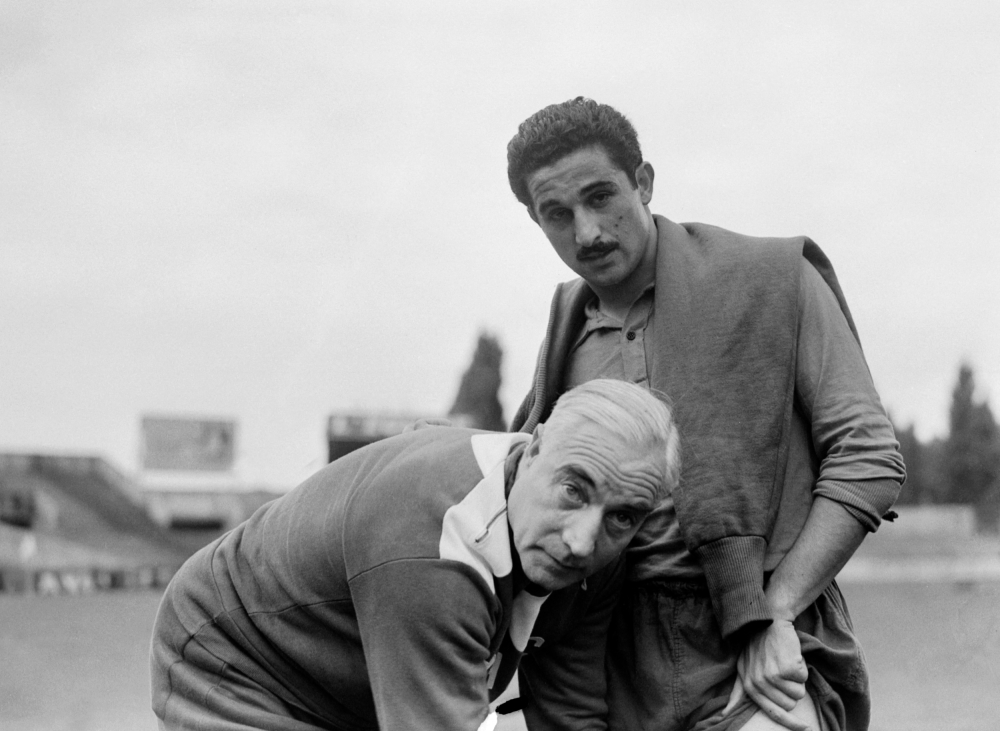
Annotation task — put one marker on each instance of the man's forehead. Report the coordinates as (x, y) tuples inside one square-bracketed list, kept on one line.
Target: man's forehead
[(629, 482), (579, 169), (608, 461)]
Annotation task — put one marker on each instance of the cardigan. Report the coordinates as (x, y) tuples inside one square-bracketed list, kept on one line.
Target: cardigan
[(723, 348)]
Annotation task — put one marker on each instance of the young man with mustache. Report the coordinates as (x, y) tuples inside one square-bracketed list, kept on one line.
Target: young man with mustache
[(731, 617)]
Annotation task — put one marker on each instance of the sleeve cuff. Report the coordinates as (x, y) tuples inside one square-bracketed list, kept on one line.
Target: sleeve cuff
[(866, 500), (734, 571)]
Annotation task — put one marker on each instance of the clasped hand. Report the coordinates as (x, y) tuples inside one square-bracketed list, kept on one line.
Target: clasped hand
[(773, 673)]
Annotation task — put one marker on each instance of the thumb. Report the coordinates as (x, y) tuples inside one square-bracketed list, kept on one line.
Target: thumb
[(735, 696)]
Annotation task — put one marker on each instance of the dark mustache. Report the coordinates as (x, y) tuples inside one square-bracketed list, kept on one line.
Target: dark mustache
[(599, 248)]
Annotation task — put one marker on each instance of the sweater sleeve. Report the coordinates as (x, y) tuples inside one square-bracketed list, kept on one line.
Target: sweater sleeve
[(521, 415), (425, 627), (860, 465)]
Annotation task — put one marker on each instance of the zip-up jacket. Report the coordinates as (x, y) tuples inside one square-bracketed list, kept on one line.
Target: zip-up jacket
[(382, 593)]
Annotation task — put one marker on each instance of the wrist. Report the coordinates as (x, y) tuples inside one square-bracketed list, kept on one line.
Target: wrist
[(781, 610)]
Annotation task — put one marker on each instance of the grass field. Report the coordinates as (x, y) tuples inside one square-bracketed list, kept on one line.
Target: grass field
[(76, 663), (79, 663), (933, 651)]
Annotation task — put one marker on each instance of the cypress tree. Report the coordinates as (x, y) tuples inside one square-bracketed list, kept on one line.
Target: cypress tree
[(477, 403), (972, 451)]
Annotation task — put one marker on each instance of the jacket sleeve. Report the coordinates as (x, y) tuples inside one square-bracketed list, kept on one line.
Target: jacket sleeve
[(860, 465), (426, 626), (563, 680)]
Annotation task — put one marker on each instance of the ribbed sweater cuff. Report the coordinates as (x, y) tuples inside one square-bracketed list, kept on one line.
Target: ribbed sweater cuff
[(866, 500), (734, 570)]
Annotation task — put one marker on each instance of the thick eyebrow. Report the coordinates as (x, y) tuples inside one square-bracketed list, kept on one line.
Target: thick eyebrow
[(638, 504), (586, 190), (579, 475), (635, 503), (548, 205)]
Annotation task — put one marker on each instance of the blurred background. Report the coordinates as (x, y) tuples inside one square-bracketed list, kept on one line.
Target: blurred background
[(238, 239)]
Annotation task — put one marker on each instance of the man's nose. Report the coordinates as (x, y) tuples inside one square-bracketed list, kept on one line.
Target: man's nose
[(587, 228), (581, 531)]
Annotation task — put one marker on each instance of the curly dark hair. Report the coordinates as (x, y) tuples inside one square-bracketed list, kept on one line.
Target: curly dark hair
[(559, 129)]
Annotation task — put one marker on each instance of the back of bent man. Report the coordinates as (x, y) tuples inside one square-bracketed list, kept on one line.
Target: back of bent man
[(400, 586)]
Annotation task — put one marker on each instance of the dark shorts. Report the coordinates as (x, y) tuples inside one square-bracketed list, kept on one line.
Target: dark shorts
[(669, 669)]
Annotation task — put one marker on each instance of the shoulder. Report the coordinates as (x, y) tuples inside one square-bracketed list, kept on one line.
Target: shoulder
[(399, 501), (710, 256), (571, 296), (423, 472), (728, 245)]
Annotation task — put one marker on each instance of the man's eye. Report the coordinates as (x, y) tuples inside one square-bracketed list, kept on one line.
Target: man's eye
[(601, 198), (573, 492), (622, 520), (558, 215)]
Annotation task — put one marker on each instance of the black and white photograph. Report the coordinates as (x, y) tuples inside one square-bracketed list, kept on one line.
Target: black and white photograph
[(547, 365)]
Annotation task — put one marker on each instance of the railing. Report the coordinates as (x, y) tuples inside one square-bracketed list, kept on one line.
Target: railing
[(76, 464), (74, 581)]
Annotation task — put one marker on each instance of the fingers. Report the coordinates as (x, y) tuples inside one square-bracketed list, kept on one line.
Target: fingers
[(782, 692), (784, 696), (774, 673), (783, 686), (777, 713)]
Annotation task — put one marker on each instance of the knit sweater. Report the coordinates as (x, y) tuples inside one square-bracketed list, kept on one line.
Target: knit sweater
[(723, 348)]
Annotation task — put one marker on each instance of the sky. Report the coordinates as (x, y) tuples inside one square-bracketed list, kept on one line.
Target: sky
[(273, 211)]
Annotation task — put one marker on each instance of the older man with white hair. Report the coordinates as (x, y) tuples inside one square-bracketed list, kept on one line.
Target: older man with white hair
[(408, 583)]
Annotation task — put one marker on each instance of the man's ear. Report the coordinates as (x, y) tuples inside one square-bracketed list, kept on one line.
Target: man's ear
[(535, 445), (644, 181)]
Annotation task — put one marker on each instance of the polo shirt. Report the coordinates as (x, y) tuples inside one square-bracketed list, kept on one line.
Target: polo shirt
[(835, 395)]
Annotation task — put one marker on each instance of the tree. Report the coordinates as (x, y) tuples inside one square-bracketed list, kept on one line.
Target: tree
[(925, 481), (933, 469), (972, 451), (916, 491), (477, 403)]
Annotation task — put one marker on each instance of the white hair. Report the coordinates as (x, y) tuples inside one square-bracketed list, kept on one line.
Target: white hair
[(639, 416)]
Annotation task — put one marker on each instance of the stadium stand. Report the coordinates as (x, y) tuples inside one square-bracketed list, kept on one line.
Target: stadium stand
[(72, 523)]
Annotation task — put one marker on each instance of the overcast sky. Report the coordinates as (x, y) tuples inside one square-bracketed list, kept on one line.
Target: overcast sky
[(271, 211)]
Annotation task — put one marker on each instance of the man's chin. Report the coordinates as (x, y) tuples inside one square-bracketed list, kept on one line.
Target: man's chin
[(554, 578), (550, 584), (603, 273)]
